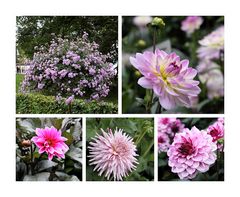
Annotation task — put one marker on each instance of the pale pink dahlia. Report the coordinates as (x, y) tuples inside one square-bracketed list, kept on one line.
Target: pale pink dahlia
[(171, 79), (163, 142), (212, 45), (113, 154), (49, 140), (191, 152), (216, 130), (191, 23), (171, 126)]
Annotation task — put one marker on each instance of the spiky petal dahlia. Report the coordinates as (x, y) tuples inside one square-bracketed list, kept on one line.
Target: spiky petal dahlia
[(171, 79), (113, 154), (49, 140), (191, 152)]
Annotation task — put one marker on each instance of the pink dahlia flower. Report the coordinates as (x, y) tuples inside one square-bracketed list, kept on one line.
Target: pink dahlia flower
[(191, 152), (171, 126), (212, 45), (171, 79), (216, 130), (113, 154), (191, 23), (163, 142), (209, 73), (49, 140)]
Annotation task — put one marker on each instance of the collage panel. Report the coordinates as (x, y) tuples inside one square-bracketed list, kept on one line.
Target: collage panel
[(190, 149), (173, 64), (66, 65), (48, 149), (120, 149)]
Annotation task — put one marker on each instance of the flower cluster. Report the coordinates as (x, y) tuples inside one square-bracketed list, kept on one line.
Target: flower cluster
[(191, 23), (170, 78), (167, 128), (113, 154), (49, 140), (191, 152), (70, 68), (210, 73)]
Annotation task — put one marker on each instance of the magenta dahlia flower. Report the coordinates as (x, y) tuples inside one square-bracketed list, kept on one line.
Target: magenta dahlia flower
[(171, 79), (216, 130), (49, 140), (191, 152), (113, 154), (212, 45), (191, 23)]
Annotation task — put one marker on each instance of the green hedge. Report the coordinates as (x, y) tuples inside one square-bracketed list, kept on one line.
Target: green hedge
[(40, 104)]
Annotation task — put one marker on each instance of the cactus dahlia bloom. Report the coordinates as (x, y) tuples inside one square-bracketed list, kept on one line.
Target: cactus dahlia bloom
[(170, 78), (49, 140), (191, 152), (113, 154)]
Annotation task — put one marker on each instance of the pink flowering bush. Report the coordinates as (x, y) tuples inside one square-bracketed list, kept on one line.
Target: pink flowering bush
[(70, 69), (48, 149), (193, 151)]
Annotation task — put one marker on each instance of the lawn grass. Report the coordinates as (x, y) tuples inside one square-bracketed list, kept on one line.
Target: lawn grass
[(19, 79)]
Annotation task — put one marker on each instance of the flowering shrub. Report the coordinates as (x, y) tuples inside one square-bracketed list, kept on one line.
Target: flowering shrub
[(48, 149), (124, 154), (113, 153), (70, 69), (191, 152)]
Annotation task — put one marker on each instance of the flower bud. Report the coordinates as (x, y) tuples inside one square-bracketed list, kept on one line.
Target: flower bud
[(26, 143), (157, 22)]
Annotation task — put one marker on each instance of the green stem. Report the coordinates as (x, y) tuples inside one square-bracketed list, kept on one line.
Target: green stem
[(148, 100), (217, 162), (154, 39), (140, 137), (148, 149)]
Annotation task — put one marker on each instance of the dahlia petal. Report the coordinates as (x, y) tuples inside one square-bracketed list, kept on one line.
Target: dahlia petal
[(167, 101), (190, 170), (184, 64), (145, 83)]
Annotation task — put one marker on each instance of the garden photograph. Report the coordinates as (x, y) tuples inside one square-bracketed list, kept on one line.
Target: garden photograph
[(172, 64), (66, 64), (48, 149), (120, 149), (190, 149)]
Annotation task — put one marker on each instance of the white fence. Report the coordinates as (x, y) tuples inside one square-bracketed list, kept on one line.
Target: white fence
[(21, 69)]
